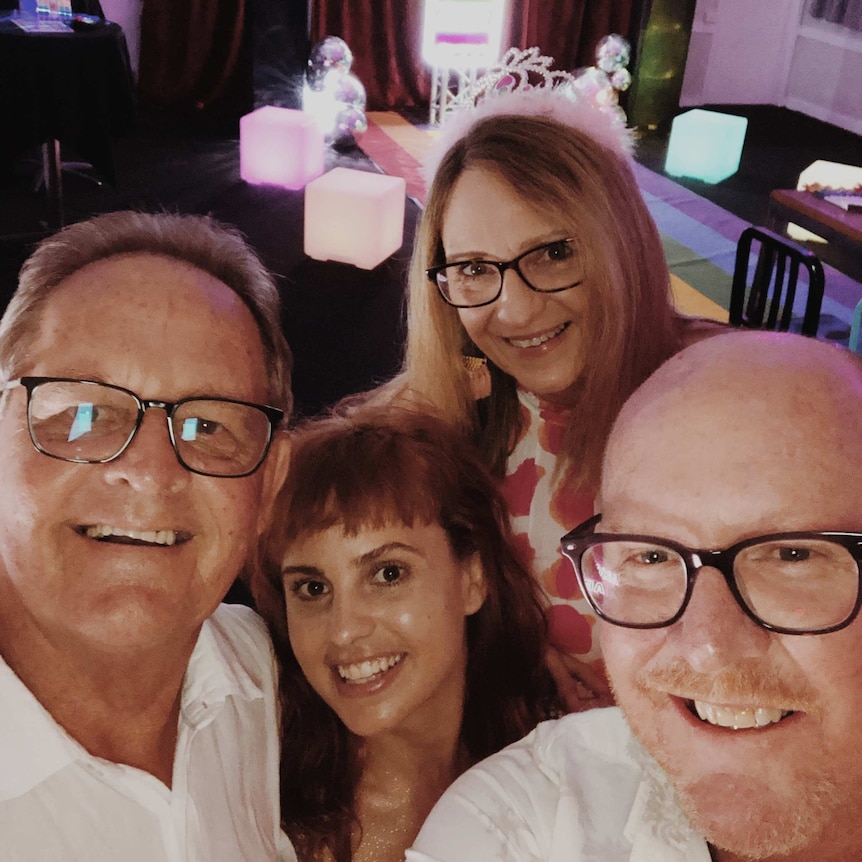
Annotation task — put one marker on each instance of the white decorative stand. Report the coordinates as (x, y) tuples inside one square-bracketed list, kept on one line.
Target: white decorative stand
[(447, 84)]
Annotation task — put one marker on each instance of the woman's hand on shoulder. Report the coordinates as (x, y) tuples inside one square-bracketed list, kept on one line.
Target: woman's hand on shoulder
[(579, 685)]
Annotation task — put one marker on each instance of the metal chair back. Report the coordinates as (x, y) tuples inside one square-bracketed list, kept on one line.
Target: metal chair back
[(767, 303)]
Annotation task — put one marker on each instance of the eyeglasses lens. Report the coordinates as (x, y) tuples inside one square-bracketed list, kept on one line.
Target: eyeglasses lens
[(81, 421), (633, 582), (88, 422), (794, 584), (552, 267), (805, 584), (469, 283), (220, 437)]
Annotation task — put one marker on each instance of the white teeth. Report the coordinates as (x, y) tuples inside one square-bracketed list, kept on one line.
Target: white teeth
[(363, 671), (151, 537), (739, 719), (537, 340)]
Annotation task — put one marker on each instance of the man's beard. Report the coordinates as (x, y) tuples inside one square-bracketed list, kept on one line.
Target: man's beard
[(739, 812)]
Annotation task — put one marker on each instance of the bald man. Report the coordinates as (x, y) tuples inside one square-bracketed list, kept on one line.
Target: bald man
[(725, 571)]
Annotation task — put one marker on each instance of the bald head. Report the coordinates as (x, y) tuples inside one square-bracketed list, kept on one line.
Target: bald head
[(739, 367), (733, 441), (778, 411)]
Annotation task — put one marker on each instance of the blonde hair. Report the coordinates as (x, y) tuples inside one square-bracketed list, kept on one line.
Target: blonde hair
[(201, 241), (633, 325)]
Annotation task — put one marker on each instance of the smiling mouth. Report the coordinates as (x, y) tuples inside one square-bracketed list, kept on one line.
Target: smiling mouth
[(737, 718), (369, 670), (156, 538), (538, 340)]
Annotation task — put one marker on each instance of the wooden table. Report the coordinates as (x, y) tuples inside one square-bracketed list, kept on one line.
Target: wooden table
[(842, 229)]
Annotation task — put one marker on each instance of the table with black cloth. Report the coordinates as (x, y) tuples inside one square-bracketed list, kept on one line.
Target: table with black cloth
[(73, 88)]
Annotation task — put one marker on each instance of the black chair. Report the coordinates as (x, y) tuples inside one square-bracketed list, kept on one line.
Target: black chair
[(767, 303)]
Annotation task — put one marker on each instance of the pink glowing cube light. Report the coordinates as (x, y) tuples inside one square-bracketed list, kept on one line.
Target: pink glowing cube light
[(354, 217), (280, 146)]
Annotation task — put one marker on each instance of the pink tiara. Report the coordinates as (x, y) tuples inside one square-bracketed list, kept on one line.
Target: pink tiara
[(523, 83)]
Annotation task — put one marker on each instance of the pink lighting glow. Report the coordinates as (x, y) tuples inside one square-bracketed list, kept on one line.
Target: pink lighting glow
[(354, 217), (462, 34), (280, 146)]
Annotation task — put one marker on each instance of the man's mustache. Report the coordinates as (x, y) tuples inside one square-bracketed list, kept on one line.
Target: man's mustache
[(748, 682)]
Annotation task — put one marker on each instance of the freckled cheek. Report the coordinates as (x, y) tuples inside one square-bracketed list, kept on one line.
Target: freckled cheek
[(34, 470), (236, 514)]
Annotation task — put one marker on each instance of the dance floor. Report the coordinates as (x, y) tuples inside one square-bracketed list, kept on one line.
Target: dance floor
[(699, 237)]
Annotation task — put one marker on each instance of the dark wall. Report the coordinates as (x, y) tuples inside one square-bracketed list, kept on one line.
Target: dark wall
[(279, 38)]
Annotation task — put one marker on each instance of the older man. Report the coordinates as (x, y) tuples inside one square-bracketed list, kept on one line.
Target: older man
[(144, 377), (726, 565)]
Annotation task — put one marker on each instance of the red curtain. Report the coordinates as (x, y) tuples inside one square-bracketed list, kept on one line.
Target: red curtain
[(385, 37), (565, 30), (189, 50)]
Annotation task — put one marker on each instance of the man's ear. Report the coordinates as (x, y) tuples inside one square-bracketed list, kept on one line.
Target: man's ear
[(474, 590), (274, 473)]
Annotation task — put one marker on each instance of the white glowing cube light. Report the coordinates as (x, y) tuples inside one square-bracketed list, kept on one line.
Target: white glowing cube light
[(462, 34), (705, 145), (830, 175), (280, 146), (826, 175), (354, 217)]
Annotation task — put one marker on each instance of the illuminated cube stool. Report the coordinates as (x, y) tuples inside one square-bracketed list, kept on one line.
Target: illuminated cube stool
[(705, 145), (826, 175), (830, 175), (354, 217), (280, 146)]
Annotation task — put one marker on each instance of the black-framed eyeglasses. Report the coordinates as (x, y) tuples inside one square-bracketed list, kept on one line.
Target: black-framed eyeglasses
[(88, 422), (547, 268), (797, 583)]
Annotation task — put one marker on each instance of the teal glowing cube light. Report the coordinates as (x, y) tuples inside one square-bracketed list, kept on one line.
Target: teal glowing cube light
[(705, 145)]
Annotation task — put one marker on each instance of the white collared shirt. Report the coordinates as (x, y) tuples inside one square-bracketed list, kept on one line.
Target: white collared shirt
[(578, 789), (59, 803)]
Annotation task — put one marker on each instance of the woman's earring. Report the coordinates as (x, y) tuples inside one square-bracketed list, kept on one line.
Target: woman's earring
[(478, 375)]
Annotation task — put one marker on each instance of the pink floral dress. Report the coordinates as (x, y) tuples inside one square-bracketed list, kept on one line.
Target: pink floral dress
[(541, 512)]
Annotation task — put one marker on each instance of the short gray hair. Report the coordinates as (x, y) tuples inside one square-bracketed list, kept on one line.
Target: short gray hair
[(203, 242)]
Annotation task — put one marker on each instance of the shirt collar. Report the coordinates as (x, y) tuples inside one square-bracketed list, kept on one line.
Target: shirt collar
[(221, 666), (657, 828), (33, 746)]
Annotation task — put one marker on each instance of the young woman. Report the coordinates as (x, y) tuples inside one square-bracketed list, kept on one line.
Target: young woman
[(410, 639), (539, 299)]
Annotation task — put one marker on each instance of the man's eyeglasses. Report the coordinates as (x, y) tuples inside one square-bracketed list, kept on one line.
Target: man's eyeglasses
[(92, 423), (548, 268), (791, 583)]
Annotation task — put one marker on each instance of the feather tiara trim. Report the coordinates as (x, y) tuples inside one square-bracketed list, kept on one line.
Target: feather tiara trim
[(507, 88)]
